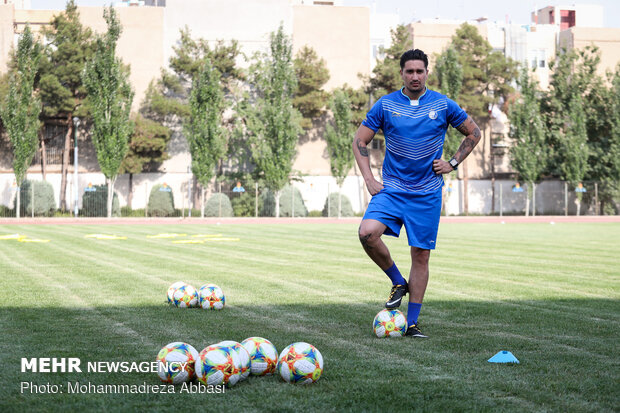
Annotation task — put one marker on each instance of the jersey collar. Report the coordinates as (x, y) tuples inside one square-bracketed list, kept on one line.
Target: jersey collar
[(413, 102)]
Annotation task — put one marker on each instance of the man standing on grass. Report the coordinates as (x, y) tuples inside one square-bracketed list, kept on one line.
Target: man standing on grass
[(414, 121)]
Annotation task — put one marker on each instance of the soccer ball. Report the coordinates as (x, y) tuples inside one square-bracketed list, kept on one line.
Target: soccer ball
[(263, 355), (300, 363), (244, 357), (218, 364), (176, 362), (185, 296), (390, 323), (211, 297), (172, 289)]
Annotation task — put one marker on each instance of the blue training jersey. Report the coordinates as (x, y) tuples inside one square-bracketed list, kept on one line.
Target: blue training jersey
[(414, 136)]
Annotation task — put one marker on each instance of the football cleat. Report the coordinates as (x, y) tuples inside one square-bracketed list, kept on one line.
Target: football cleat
[(396, 296), (414, 331)]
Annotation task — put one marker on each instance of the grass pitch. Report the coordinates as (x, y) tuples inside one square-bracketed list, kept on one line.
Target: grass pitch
[(550, 294)]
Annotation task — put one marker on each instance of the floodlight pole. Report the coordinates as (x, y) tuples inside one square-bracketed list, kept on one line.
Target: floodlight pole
[(76, 123)]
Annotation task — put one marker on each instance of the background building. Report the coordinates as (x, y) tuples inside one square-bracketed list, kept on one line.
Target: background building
[(347, 38)]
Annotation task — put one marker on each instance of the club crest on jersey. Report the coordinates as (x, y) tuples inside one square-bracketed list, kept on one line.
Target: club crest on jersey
[(432, 114)]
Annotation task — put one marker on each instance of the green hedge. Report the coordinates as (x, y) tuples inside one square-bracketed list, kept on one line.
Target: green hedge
[(95, 203), (44, 203), (161, 203), (346, 210), (243, 204), (212, 208), (267, 203)]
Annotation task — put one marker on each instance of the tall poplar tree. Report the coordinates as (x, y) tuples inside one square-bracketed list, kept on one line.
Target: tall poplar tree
[(68, 46), (529, 153), (271, 121), (574, 147), (203, 129), (110, 97), (338, 139), (20, 111), (449, 74)]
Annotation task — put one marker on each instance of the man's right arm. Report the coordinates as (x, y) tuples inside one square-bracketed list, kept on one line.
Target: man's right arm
[(363, 136)]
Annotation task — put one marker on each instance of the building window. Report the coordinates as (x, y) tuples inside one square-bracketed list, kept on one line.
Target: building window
[(542, 58), (538, 58)]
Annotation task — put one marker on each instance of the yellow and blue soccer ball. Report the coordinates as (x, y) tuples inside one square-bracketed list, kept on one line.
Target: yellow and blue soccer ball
[(185, 296), (211, 297), (244, 357), (390, 323), (263, 356), (218, 364), (176, 362), (300, 363), (172, 289)]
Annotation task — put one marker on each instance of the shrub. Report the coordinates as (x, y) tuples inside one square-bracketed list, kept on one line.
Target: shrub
[(315, 213), (161, 203), (212, 208), (6, 212), (44, 203), (345, 208), (95, 203), (243, 204), (126, 211), (267, 206)]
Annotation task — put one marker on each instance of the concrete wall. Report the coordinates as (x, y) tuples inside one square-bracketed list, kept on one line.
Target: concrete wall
[(340, 35), (249, 22), (140, 45), (606, 39), (7, 17), (434, 37)]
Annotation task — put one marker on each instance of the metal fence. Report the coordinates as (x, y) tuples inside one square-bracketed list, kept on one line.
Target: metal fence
[(41, 199), (139, 197)]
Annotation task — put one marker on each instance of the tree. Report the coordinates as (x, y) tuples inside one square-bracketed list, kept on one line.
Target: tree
[(167, 99), (206, 137), (338, 139), (606, 165), (21, 109), (449, 74), (110, 97), (574, 147), (581, 139), (487, 78), (271, 121), (448, 77), (69, 46), (312, 74), (385, 77), (604, 139), (527, 129), (147, 149)]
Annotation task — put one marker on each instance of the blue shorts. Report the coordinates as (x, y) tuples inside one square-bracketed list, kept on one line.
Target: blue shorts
[(419, 212)]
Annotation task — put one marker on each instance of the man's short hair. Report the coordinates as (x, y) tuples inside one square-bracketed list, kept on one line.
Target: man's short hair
[(416, 54)]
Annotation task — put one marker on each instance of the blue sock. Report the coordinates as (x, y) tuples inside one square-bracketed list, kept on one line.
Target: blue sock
[(394, 275), (413, 311)]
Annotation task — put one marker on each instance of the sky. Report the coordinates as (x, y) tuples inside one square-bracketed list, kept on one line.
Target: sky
[(517, 12)]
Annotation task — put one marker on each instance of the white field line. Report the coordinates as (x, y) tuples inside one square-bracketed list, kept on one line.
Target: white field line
[(191, 258)]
